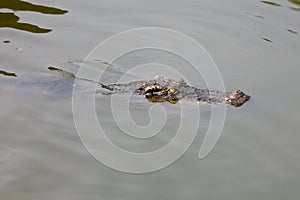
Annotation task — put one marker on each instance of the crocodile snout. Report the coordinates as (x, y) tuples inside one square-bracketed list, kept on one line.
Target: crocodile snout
[(236, 98)]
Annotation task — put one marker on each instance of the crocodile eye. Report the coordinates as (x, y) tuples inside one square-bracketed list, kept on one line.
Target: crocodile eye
[(172, 91)]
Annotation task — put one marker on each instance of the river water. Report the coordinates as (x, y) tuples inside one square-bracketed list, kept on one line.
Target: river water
[(255, 45)]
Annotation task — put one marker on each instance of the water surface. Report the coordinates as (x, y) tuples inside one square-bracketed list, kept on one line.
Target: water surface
[(255, 44)]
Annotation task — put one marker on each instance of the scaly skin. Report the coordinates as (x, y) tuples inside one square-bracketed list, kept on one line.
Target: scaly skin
[(162, 89)]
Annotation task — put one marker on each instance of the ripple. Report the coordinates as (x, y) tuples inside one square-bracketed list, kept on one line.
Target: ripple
[(295, 2), (291, 31), (6, 153), (267, 40)]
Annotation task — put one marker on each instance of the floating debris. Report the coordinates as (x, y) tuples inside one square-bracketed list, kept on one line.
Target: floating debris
[(291, 31), (271, 3), (6, 41)]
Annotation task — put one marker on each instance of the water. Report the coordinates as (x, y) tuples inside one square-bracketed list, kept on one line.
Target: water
[(255, 45)]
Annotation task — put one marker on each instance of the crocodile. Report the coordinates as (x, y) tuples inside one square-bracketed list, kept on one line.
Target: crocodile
[(162, 89), (158, 90)]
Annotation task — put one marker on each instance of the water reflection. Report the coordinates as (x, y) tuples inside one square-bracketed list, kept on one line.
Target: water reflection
[(257, 16), (267, 40), (7, 73), (291, 31), (11, 20), (271, 3), (297, 3)]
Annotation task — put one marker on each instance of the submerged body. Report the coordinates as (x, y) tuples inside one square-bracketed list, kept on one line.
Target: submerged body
[(162, 89)]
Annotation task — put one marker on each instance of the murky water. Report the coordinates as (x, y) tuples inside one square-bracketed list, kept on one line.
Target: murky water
[(255, 45)]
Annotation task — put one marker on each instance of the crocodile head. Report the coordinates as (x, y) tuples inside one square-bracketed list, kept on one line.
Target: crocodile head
[(236, 98)]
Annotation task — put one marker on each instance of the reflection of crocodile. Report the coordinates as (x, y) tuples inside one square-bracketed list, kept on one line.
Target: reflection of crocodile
[(162, 89)]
